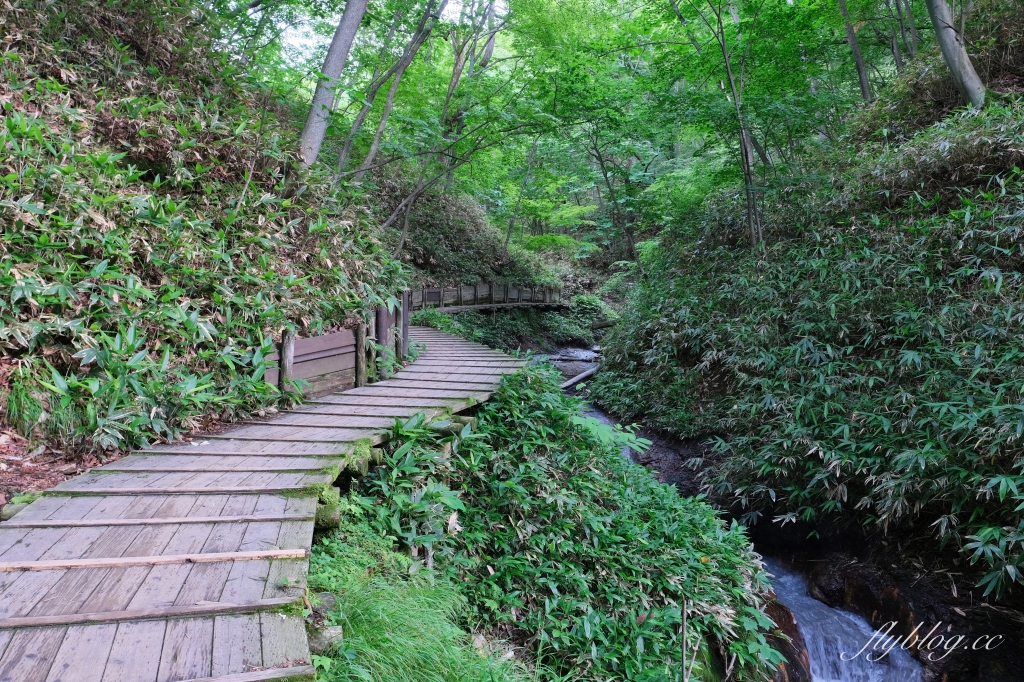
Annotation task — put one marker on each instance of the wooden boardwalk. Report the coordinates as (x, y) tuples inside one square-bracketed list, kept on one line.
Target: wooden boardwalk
[(188, 561)]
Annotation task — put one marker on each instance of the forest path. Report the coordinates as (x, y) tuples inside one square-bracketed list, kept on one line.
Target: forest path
[(189, 561)]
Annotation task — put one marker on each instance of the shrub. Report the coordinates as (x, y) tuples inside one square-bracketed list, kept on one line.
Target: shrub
[(577, 553), (870, 367), (515, 329), (147, 259), (397, 627)]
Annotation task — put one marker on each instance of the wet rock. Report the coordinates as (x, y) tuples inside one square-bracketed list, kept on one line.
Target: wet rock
[(9, 510), (323, 640), (788, 641), (327, 601), (923, 614)]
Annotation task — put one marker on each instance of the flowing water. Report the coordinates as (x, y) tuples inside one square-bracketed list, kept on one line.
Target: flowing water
[(828, 633), (834, 637)]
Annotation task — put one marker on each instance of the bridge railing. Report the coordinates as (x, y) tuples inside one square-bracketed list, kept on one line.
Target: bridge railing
[(357, 355), (482, 296)]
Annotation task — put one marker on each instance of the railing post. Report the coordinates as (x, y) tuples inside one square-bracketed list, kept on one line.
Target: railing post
[(361, 353), (406, 314), (287, 354)]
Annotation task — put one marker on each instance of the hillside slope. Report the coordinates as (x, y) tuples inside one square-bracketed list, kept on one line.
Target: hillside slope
[(148, 258)]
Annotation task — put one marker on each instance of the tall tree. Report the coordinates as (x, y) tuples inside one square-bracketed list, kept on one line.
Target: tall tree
[(858, 56), (954, 52), (312, 137)]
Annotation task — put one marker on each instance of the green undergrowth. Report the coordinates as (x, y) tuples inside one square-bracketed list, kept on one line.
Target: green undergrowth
[(516, 329), (576, 557), (870, 361), (149, 257), (396, 627), (450, 241)]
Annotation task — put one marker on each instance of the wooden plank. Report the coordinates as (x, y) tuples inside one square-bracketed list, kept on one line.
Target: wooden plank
[(187, 651), (34, 544), (29, 655), (330, 341), (26, 591), (241, 462), (82, 655), (154, 613), (62, 564), (222, 446), (463, 371), (155, 521), (389, 411), (326, 457), (236, 644), (292, 434), (332, 420), (385, 401), (198, 469), (490, 378), (419, 393), (135, 653), (212, 490), (284, 639), (441, 385), (304, 671)]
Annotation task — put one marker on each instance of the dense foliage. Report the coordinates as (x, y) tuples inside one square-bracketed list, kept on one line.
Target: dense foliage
[(396, 627), (869, 362), (521, 329), (148, 259), (566, 548)]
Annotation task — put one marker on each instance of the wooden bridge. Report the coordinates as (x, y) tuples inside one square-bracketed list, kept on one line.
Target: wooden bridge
[(189, 561), (483, 297)]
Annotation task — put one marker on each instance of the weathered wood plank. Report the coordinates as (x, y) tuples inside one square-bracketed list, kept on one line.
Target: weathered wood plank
[(154, 613), (29, 655), (284, 639), (156, 521), (236, 644), (62, 564), (212, 490), (135, 653), (187, 651), (82, 655)]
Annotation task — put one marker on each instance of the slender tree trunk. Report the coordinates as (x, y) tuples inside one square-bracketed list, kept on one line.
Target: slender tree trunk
[(377, 81), (522, 188), (858, 58), (898, 11), (312, 137), (911, 27), (897, 55), (405, 232), (428, 20), (389, 103), (954, 52)]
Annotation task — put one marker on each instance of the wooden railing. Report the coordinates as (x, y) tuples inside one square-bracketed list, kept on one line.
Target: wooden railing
[(483, 296), (332, 362)]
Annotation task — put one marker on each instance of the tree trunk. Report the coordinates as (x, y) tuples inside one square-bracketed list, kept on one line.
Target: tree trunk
[(312, 137), (522, 188), (898, 11), (858, 58), (911, 26), (897, 56), (377, 81), (954, 53), (426, 24)]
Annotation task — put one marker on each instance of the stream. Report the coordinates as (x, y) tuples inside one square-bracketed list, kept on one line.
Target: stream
[(833, 637)]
